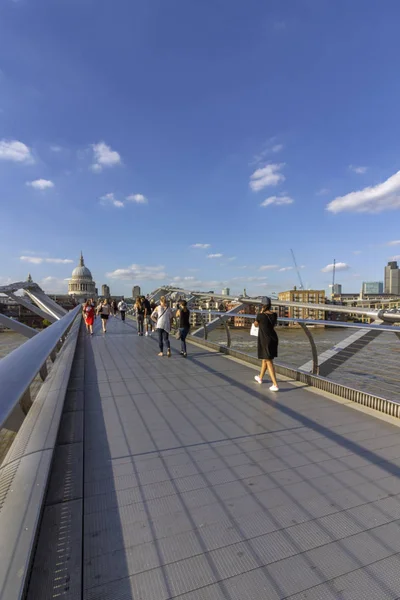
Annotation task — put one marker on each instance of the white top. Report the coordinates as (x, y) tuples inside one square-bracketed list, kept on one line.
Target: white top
[(164, 316), (122, 305)]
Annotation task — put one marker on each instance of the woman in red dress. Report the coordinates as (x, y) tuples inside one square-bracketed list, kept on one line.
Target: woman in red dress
[(89, 315)]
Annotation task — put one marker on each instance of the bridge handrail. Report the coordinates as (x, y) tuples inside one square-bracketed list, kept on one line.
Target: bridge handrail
[(390, 328), (19, 368)]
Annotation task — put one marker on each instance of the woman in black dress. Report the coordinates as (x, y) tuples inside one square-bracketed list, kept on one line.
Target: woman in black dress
[(267, 343)]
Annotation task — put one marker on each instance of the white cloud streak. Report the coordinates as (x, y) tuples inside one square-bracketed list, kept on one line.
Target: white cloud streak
[(214, 255), (137, 198), (202, 246), (268, 267), (15, 151), (269, 175), (284, 269), (40, 184), (384, 196), (358, 170), (104, 157), (339, 266), (394, 243), (38, 260), (277, 200), (111, 199)]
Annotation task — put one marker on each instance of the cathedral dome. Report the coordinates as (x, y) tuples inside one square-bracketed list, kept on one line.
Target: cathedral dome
[(81, 283)]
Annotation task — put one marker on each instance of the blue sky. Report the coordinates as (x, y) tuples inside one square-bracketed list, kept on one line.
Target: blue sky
[(136, 130)]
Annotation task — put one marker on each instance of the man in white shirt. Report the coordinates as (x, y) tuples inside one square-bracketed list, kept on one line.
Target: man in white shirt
[(122, 307)]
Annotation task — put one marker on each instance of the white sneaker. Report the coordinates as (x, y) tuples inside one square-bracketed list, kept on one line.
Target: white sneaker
[(274, 388), (258, 379), (147, 333)]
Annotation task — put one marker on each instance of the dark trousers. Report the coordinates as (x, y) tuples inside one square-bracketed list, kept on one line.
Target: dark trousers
[(163, 336), (183, 331), (140, 319), (123, 315)]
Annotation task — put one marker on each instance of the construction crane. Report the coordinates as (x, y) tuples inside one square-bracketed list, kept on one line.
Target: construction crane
[(298, 271)]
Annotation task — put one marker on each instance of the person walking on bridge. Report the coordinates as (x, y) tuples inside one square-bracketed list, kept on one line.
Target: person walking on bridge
[(104, 311), (183, 314), (266, 321), (88, 315), (139, 309), (122, 307), (163, 316)]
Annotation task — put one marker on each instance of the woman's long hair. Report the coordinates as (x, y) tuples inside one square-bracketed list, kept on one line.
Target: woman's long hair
[(184, 305), (138, 302)]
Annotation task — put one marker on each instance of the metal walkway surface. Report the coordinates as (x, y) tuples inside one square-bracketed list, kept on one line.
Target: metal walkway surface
[(184, 479)]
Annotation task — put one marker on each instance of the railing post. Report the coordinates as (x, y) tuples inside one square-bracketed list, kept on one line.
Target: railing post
[(43, 372), (314, 352), (228, 334), (204, 324), (26, 401)]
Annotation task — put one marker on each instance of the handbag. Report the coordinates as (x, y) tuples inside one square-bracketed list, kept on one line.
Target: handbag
[(254, 330), (178, 335)]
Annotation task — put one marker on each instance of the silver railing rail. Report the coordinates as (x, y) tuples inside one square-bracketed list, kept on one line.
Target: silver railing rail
[(19, 368)]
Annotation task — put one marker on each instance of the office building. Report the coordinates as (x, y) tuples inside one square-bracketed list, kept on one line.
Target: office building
[(105, 291), (372, 287), (392, 278), (226, 291), (336, 289), (305, 297), (135, 291)]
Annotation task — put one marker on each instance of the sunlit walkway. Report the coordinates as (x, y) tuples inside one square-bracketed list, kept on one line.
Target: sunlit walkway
[(199, 484)]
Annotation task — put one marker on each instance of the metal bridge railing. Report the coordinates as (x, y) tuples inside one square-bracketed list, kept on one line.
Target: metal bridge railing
[(365, 359), (19, 368)]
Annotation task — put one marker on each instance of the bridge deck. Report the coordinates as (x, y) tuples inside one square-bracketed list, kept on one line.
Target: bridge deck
[(200, 485)]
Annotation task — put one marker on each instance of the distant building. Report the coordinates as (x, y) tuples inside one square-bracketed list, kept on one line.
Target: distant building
[(81, 284), (392, 278), (305, 297), (105, 290), (226, 291), (336, 289), (372, 287), (135, 291)]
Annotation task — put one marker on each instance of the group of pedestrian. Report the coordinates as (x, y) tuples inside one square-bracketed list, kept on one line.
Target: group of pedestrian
[(163, 317), (104, 310)]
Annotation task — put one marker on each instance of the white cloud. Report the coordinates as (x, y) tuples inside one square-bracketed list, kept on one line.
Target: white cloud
[(384, 196), (243, 267), (278, 200), (322, 192), (283, 269), (268, 267), (232, 258), (37, 260), (138, 198), (139, 273), (267, 176), (15, 151), (111, 199), (394, 243), (56, 149), (358, 170), (214, 255), (53, 285), (104, 157), (41, 184), (397, 257), (203, 246), (277, 148), (339, 266), (356, 251)]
